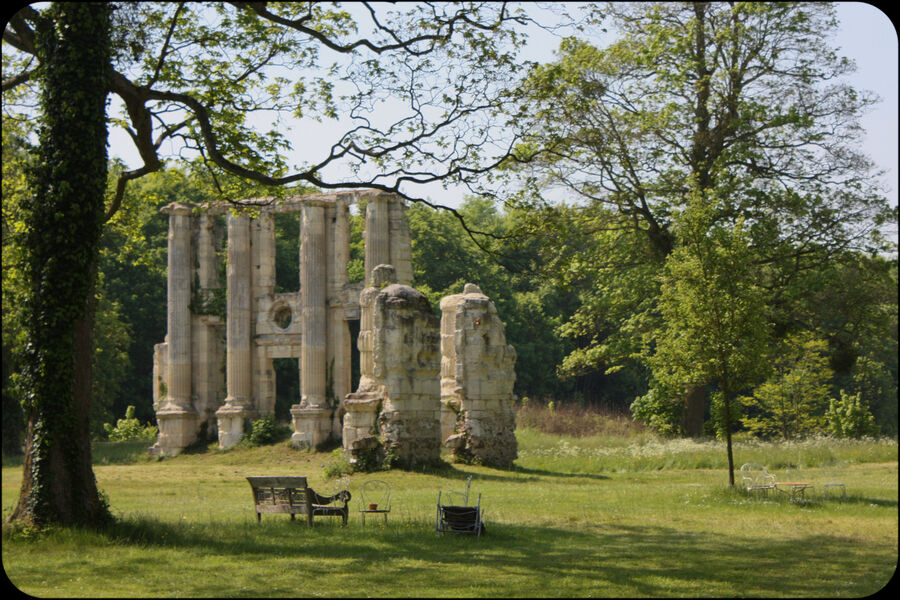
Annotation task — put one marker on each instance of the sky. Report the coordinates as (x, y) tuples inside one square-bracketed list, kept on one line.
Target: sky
[(869, 37), (866, 35)]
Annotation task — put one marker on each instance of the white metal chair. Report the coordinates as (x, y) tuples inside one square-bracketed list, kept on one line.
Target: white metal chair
[(755, 478), (834, 478), (460, 498), (374, 498)]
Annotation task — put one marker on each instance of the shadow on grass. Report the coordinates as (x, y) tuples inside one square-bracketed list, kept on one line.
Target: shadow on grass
[(854, 499), (545, 473), (603, 556), (812, 501), (450, 471)]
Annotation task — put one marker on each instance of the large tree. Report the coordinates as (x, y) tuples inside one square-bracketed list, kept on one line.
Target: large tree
[(743, 102), (413, 89), (63, 221)]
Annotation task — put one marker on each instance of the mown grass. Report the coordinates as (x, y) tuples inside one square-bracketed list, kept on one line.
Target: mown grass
[(599, 515)]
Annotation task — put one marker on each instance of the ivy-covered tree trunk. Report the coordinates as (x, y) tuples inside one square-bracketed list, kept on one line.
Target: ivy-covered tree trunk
[(64, 219)]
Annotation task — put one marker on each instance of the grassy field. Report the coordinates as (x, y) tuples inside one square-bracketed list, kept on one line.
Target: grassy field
[(602, 515)]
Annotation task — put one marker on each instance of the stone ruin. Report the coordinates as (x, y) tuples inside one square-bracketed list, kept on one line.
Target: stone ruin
[(214, 372), (395, 412), (477, 375)]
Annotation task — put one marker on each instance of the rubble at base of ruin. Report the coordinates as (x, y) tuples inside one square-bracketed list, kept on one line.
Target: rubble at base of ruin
[(424, 380)]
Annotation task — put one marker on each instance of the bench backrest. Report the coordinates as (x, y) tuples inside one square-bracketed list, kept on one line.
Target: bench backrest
[(277, 482), (280, 494)]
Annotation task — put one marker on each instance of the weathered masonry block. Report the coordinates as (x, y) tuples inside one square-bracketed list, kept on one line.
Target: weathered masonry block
[(477, 377), (394, 414)]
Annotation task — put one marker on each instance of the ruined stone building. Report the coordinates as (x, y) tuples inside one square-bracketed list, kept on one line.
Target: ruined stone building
[(214, 372)]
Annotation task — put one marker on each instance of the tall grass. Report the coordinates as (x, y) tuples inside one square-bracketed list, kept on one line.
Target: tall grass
[(588, 440), (577, 421)]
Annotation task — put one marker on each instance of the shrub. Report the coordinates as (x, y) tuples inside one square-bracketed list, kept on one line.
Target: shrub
[(265, 430), (659, 410), (339, 466), (849, 417), (130, 428)]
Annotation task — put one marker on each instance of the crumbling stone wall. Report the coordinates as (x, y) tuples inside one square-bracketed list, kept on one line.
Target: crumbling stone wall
[(394, 414), (477, 377)]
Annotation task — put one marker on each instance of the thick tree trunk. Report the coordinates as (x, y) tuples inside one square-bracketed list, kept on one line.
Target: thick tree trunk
[(58, 483), (61, 249)]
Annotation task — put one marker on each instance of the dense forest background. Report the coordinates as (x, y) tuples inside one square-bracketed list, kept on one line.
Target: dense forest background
[(855, 299)]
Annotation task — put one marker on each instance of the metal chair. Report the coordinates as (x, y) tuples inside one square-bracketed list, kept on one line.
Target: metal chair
[(834, 479), (755, 478), (374, 498), (461, 497), (459, 518)]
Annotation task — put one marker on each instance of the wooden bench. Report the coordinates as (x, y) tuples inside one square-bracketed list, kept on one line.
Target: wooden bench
[(291, 495)]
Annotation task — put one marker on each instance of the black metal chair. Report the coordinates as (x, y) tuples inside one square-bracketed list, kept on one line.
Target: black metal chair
[(456, 518)]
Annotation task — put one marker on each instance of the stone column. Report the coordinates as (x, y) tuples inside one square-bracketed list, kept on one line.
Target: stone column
[(377, 235), (401, 251), (160, 373), (177, 417), (312, 417), (204, 337), (262, 249), (313, 284), (363, 405), (263, 284), (338, 239), (207, 264), (179, 313), (238, 357)]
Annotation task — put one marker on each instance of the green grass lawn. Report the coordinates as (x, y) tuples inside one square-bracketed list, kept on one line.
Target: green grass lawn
[(587, 516)]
